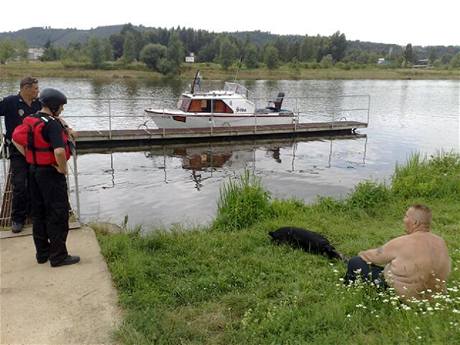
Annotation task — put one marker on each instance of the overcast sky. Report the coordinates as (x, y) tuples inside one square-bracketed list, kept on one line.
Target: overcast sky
[(387, 21)]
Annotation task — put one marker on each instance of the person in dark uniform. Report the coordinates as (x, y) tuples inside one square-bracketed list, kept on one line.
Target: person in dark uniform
[(44, 141), (14, 108)]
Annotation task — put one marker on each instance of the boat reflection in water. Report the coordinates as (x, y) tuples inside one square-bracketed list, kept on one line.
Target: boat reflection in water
[(203, 159)]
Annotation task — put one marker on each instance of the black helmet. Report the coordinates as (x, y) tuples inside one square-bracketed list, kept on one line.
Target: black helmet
[(52, 99)]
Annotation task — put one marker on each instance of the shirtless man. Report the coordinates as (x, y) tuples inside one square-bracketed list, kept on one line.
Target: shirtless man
[(415, 265)]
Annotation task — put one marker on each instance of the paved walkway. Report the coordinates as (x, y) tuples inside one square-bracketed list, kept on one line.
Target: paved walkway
[(74, 304)]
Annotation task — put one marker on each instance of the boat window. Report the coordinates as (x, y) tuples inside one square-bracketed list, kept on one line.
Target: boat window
[(221, 107), (200, 106)]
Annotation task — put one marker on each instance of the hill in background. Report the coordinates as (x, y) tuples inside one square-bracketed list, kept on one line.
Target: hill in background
[(37, 37)]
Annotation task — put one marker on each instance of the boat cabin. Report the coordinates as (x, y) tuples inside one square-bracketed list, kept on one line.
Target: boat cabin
[(231, 100)]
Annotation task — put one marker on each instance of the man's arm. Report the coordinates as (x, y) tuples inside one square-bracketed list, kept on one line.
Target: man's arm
[(20, 148), (382, 255), (59, 154)]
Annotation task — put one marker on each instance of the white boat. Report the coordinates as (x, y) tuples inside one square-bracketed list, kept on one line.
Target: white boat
[(229, 107)]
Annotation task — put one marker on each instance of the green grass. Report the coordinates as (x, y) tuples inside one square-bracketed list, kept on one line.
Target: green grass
[(222, 286), (213, 71)]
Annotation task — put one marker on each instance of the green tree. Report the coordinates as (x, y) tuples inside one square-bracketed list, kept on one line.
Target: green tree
[(432, 56), (271, 57), (6, 51), (281, 44), (294, 66), (75, 52), (22, 49), (107, 52), (408, 55), (136, 37), (227, 52), (151, 55), (307, 51), (117, 41), (129, 48), (251, 56), (51, 53), (455, 61), (175, 54), (96, 54), (337, 46)]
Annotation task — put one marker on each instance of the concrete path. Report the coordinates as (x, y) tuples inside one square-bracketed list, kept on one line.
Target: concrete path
[(74, 304)]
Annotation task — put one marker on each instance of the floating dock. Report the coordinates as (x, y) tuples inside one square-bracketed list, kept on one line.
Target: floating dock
[(114, 138)]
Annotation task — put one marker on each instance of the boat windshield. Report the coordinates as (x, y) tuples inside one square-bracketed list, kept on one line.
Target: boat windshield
[(183, 103), (236, 88)]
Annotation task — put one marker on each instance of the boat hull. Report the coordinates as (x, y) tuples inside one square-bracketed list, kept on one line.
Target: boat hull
[(178, 120)]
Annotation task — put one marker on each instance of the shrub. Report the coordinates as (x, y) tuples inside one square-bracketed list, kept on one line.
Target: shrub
[(242, 203), (421, 177), (326, 61), (368, 195)]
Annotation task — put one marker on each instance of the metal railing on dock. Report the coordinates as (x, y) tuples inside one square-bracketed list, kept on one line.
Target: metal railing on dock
[(109, 118)]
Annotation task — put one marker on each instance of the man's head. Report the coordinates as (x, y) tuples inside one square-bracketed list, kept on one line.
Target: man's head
[(28, 88), (53, 100), (417, 218)]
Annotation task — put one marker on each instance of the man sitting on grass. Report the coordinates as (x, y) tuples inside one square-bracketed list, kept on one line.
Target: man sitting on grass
[(416, 265)]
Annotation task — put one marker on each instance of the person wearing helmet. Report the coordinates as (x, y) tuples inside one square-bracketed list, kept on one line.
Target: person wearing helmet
[(44, 142), (15, 108)]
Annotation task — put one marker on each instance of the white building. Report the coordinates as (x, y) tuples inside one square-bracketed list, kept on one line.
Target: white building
[(190, 58), (35, 53)]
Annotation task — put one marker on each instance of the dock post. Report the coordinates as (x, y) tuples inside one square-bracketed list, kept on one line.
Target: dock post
[(368, 107), (77, 190), (211, 120), (4, 154), (110, 121)]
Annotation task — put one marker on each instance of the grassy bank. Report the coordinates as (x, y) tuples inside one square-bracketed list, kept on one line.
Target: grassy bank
[(215, 72), (227, 284)]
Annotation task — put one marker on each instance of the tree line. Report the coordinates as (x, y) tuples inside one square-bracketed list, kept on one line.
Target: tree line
[(163, 50)]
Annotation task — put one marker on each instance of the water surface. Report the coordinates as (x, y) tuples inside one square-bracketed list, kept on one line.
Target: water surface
[(161, 185)]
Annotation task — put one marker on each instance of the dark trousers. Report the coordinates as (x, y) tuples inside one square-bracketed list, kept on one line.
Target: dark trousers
[(357, 267), (50, 212), (20, 207)]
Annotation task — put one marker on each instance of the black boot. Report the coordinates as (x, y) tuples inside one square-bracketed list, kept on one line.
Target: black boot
[(69, 260)]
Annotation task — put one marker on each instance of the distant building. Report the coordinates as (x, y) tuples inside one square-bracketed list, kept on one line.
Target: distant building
[(381, 61), (190, 58), (35, 53), (422, 63)]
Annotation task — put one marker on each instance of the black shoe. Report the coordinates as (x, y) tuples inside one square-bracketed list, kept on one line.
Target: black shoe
[(42, 260), (16, 227), (69, 260)]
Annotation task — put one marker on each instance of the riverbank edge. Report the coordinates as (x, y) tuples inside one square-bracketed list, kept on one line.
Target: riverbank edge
[(213, 72), (203, 309)]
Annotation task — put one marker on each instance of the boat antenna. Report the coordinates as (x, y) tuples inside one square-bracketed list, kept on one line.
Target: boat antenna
[(196, 82), (238, 66)]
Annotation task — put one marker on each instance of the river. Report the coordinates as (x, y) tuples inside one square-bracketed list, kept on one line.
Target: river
[(165, 185)]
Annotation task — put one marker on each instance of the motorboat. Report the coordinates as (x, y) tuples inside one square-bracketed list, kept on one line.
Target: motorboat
[(229, 107)]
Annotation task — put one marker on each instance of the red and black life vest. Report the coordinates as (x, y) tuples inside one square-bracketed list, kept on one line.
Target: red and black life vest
[(38, 150)]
